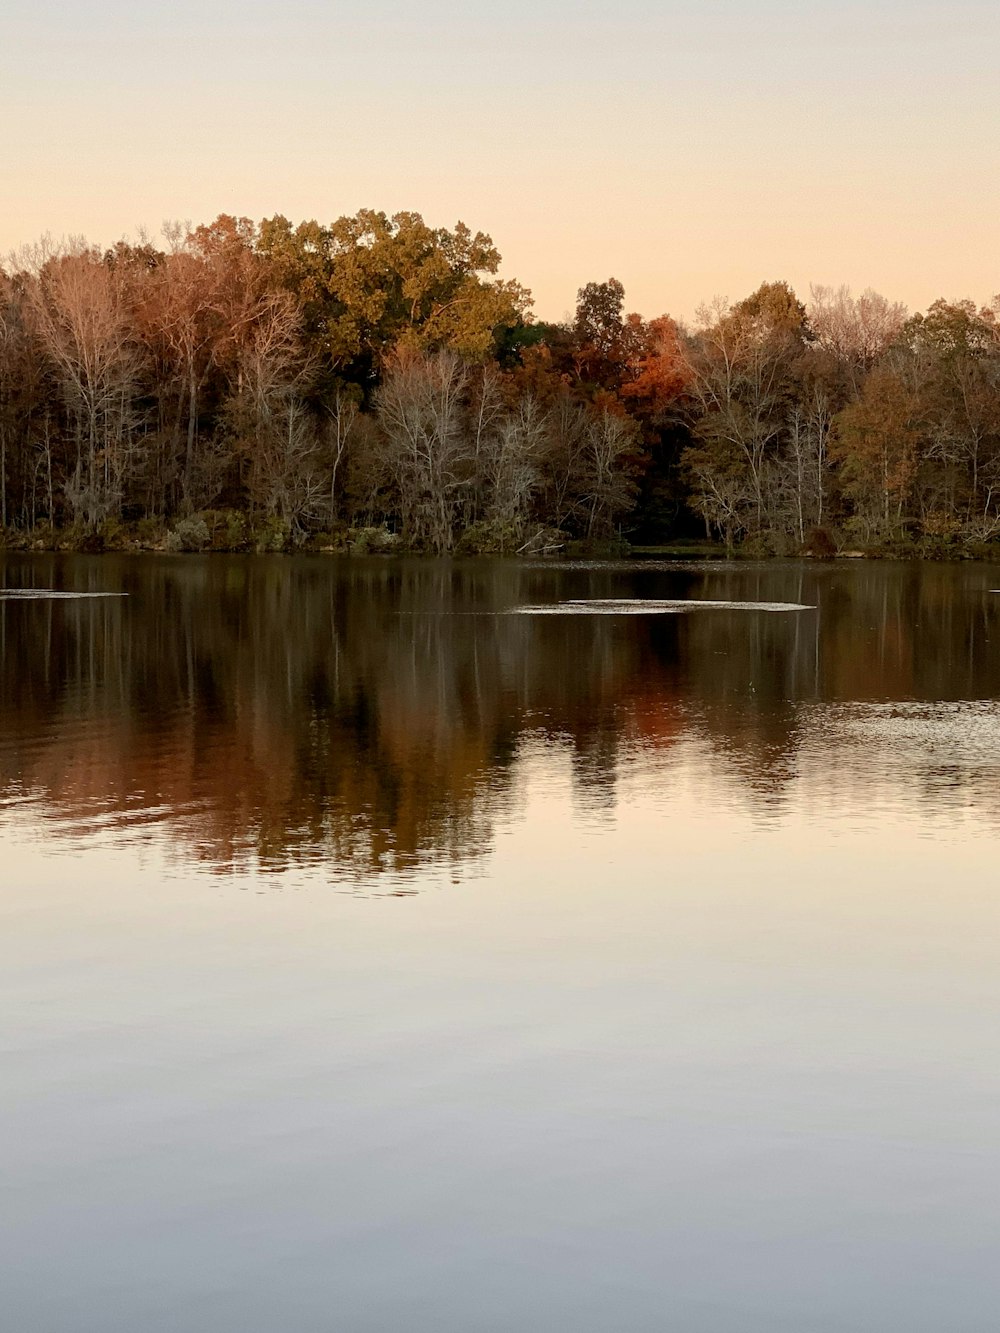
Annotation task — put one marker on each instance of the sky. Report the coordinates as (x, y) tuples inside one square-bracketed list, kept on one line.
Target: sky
[(690, 148)]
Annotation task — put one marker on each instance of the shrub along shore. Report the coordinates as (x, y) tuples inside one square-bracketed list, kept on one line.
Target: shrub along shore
[(229, 532)]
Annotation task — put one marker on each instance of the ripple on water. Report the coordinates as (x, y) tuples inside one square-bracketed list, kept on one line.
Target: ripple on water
[(49, 594), (636, 606), (966, 730)]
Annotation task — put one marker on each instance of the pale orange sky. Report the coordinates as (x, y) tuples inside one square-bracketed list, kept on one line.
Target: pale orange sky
[(689, 149)]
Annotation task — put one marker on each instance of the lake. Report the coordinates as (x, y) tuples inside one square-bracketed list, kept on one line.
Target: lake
[(490, 947)]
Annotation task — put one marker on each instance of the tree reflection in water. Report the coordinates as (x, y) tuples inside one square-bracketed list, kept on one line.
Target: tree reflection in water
[(370, 714)]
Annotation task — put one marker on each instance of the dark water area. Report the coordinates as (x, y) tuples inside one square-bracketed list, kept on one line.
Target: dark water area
[(484, 945)]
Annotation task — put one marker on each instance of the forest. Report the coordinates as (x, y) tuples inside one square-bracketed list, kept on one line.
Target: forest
[(373, 385)]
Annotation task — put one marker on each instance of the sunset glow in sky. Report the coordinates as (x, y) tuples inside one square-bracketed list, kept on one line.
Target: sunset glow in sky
[(689, 147)]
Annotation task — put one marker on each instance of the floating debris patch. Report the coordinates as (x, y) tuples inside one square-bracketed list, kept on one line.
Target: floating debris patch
[(635, 606), (49, 594)]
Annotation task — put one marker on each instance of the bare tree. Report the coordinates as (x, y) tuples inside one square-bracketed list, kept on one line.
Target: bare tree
[(856, 329), (277, 434), (612, 444), (181, 322), (10, 345), (739, 373), (509, 462), (82, 319), (341, 430), (421, 408), (563, 462)]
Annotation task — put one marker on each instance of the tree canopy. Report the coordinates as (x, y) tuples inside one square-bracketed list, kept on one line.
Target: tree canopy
[(244, 383)]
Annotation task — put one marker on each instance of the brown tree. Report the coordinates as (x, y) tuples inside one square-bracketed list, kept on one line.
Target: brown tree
[(876, 441), (81, 315), (740, 369)]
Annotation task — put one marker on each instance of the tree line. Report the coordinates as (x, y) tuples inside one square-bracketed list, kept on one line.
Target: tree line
[(374, 384)]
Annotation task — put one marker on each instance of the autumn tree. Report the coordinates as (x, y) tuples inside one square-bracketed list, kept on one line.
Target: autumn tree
[(598, 330), (372, 283), (657, 374), (876, 441), (654, 389), (954, 367)]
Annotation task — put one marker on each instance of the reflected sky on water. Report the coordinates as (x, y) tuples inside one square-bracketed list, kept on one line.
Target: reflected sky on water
[(376, 959)]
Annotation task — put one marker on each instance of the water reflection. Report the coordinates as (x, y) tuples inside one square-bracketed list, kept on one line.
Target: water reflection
[(372, 715)]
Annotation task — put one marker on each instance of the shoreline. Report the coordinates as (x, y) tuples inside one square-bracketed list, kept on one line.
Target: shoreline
[(116, 538)]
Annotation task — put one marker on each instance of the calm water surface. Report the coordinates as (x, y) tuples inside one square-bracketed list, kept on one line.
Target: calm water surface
[(384, 953)]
